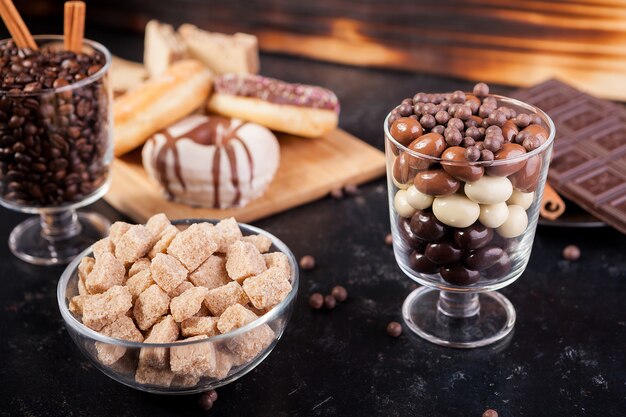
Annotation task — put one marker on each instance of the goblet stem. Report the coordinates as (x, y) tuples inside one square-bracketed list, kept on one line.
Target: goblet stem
[(458, 304), (60, 225)]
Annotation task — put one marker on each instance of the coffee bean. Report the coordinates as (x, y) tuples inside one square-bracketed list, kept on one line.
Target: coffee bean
[(316, 301), (571, 252), (329, 302), (394, 329), (339, 293), (307, 262)]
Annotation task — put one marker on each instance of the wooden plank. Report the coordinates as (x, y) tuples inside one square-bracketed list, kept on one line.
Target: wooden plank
[(309, 169)]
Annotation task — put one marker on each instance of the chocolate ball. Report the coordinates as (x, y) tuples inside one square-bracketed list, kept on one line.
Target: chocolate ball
[(405, 130), (405, 110), (428, 121), (458, 97), (316, 301), (442, 253), (426, 227), (340, 293), (571, 252), (480, 90), (484, 258), (329, 302), (418, 262), (473, 237), (394, 329), (307, 262)]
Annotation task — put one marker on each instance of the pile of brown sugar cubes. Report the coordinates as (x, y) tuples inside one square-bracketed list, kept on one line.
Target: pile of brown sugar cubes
[(159, 284)]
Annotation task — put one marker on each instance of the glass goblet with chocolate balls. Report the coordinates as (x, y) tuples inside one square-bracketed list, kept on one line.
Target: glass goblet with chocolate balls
[(466, 173), (55, 145)]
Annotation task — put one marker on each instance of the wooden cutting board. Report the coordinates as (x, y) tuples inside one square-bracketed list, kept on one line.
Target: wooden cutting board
[(309, 169)]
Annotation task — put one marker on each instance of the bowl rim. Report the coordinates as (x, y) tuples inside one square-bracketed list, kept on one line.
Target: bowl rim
[(503, 100), (97, 46), (275, 312)]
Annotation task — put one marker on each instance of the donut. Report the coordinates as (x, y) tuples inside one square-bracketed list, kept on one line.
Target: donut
[(212, 161), (302, 110)]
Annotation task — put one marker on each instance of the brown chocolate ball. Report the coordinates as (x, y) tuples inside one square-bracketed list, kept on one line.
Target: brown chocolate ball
[(490, 413), (468, 141), (481, 90), (351, 189), (458, 97), (405, 110), (531, 143), (438, 129), (421, 98), (339, 293), (486, 155), (496, 118), (394, 329), (472, 154), (522, 120), (453, 136), (316, 301), (456, 123), (388, 239), (329, 302), (442, 117), (405, 130), (571, 252), (207, 399), (428, 121), (307, 262), (463, 112), (336, 193)]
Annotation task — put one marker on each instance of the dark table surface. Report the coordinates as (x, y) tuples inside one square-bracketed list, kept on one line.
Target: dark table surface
[(566, 356)]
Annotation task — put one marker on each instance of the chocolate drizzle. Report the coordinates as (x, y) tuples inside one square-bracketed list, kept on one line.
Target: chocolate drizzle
[(217, 131)]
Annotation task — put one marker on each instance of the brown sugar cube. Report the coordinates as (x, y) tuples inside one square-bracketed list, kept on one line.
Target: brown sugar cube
[(195, 326), (107, 272), (257, 311), (280, 260), (140, 265), (165, 331), (150, 306), (84, 269), (262, 243), (157, 225), (102, 309), (185, 380), (117, 230), (192, 247), (163, 243), (101, 247), (211, 274), (203, 312), (224, 362), (76, 304), (150, 375), (167, 271), (195, 359), (134, 244), (268, 288), (139, 282), (246, 346), (219, 299), (184, 286), (225, 233), (123, 328), (244, 260), (188, 303)]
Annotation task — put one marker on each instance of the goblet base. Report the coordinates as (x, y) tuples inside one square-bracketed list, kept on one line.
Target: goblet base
[(56, 239), (494, 319)]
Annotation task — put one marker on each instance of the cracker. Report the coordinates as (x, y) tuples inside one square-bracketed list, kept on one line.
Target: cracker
[(188, 303), (219, 299), (244, 260), (167, 271), (150, 306)]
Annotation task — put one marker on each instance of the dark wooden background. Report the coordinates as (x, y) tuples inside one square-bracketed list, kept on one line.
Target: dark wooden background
[(511, 42)]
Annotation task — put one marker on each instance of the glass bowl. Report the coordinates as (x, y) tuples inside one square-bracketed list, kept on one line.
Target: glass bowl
[(236, 353), (462, 249), (56, 148)]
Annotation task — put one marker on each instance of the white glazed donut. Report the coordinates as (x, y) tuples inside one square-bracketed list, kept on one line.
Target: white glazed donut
[(212, 161)]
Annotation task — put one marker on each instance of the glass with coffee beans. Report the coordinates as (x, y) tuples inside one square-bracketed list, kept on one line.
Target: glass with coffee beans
[(55, 145), (466, 172)]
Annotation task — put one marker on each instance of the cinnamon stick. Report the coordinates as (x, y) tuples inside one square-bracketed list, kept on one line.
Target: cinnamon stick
[(74, 26), (552, 205), (16, 26)]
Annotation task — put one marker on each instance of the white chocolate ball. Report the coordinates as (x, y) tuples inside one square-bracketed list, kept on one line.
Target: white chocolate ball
[(403, 208), (489, 190), (515, 224), (400, 185), (521, 198), (418, 199), (493, 215), (456, 210)]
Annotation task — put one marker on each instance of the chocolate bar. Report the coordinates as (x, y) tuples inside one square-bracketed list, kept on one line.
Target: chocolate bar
[(589, 157)]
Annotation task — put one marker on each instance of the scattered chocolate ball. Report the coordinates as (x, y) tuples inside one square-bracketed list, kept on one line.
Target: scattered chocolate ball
[(351, 189), (307, 262), (388, 239), (329, 302), (339, 293), (316, 301), (490, 413), (571, 252), (481, 90), (394, 329), (336, 193), (207, 399)]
